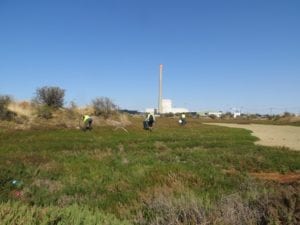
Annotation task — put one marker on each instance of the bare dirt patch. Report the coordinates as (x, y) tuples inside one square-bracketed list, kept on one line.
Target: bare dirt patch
[(271, 135), (287, 178), (280, 178)]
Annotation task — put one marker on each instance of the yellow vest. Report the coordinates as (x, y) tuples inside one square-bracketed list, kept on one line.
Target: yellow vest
[(86, 117)]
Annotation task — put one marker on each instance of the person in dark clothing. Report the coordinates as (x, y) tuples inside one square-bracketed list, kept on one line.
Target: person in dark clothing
[(182, 120), (149, 121)]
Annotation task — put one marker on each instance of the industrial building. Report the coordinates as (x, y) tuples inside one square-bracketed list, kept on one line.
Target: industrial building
[(168, 108), (164, 105)]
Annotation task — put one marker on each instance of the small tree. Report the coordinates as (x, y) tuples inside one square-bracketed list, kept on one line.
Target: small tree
[(50, 96), (5, 113), (4, 102), (104, 106)]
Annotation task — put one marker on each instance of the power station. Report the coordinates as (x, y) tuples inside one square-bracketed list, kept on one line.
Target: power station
[(164, 105)]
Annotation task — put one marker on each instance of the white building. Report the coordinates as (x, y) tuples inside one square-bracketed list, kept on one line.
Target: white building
[(236, 114), (167, 107)]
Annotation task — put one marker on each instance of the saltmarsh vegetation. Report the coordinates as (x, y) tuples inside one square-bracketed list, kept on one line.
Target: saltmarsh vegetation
[(197, 174)]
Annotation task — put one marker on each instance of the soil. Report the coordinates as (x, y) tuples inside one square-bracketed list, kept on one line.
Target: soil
[(280, 178), (271, 135)]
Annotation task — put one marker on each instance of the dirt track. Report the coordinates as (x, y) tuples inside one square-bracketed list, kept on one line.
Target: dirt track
[(271, 135)]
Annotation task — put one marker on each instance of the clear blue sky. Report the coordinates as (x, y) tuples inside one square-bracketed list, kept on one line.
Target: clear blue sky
[(217, 54)]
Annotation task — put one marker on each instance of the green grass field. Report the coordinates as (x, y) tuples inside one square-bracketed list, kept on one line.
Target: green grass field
[(173, 175)]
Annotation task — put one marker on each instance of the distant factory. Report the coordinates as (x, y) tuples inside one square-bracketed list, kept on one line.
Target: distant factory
[(164, 105)]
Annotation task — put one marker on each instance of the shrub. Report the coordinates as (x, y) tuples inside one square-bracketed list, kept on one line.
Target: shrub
[(44, 111), (72, 110), (233, 210), (288, 114), (212, 116), (186, 209), (73, 105), (18, 213), (104, 106), (167, 115), (4, 101), (5, 114), (227, 115), (50, 96)]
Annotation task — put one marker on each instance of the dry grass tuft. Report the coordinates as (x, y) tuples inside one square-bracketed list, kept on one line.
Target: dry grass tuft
[(50, 185), (99, 154), (161, 146), (122, 121), (233, 210), (164, 209), (22, 108), (171, 186)]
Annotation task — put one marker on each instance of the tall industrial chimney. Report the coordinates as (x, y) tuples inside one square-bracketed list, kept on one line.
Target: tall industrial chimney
[(160, 107)]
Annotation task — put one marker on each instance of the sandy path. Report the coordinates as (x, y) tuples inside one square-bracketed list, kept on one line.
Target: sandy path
[(271, 135)]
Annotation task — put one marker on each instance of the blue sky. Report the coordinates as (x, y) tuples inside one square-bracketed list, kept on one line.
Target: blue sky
[(217, 54)]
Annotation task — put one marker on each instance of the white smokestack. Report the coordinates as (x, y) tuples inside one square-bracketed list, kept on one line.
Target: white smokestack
[(160, 109)]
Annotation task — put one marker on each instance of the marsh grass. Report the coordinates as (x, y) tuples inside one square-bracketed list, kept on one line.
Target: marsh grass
[(122, 173), (16, 213)]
